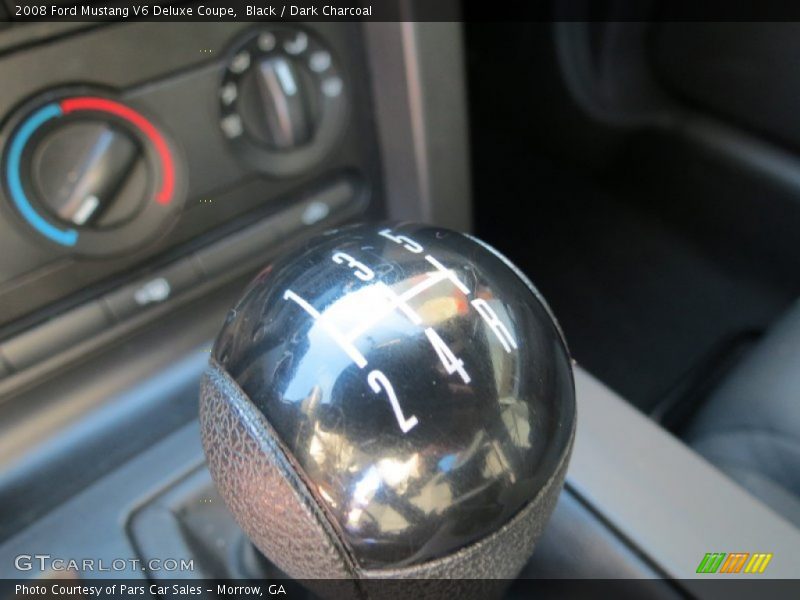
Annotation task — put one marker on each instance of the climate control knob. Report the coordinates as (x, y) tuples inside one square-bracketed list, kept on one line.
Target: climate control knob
[(90, 174), (278, 104), (282, 100)]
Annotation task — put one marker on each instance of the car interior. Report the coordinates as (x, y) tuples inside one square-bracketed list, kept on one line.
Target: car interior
[(644, 176)]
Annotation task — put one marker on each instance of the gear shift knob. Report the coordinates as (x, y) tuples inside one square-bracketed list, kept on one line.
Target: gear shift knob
[(390, 401)]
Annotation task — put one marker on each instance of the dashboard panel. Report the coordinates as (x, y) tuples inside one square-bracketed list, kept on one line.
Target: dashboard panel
[(141, 161)]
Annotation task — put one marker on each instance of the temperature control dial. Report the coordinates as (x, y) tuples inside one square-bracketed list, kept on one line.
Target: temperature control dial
[(405, 388), (90, 174), (282, 100)]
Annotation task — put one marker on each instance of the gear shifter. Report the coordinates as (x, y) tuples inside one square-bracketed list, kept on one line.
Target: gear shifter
[(390, 401)]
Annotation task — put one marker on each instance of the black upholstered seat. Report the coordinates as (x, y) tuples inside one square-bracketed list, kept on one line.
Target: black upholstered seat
[(750, 428)]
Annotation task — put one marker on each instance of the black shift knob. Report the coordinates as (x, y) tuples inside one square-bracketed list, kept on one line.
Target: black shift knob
[(390, 401)]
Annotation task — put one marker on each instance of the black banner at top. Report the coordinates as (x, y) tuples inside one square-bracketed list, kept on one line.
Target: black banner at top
[(400, 10)]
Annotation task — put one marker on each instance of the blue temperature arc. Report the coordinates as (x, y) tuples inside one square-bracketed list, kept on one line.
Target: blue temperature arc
[(65, 237)]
